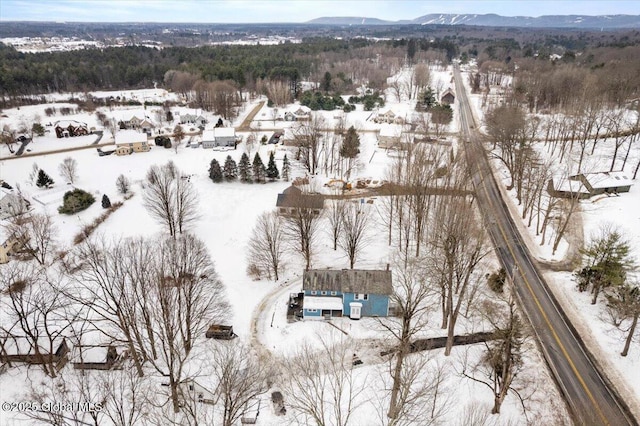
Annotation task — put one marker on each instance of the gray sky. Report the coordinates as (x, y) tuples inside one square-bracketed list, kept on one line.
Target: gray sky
[(220, 11)]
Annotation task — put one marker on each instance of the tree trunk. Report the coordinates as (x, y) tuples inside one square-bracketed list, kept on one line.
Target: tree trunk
[(632, 331)]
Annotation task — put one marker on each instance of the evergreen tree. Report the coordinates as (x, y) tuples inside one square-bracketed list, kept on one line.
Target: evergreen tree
[(244, 169), (215, 172), (259, 171), (44, 180), (230, 169), (272, 169), (106, 202), (351, 146), (286, 168)]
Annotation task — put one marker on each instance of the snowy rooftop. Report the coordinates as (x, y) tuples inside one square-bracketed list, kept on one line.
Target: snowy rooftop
[(208, 135), (331, 303), (390, 130), (130, 136), (188, 111), (90, 354), (221, 132), (67, 123), (608, 179)]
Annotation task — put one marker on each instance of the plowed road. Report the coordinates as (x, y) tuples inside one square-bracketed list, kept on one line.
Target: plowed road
[(590, 397)]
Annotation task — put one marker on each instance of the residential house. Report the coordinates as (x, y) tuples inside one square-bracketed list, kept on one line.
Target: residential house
[(448, 97), (292, 199), (11, 203), (388, 116), (567, 188), (354, 293), (137, 119), (10, 246), (298, 113), (190, 116), (605, 182), (389, 136), (42, 351), (219, 136), (94, 357), (70, 128), (130, 141)]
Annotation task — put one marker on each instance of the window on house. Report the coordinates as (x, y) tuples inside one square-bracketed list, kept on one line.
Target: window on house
[(361, 296), (313, 292), (312, 310), (333, 293), (324, 293)]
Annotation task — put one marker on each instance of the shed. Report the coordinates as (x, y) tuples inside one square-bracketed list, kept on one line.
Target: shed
[(94, 357), (448, 97)]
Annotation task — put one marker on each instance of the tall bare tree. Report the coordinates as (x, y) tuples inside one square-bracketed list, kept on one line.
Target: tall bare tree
[(335, 212), (36, 234), (323, 386), (309, 137), (241, 377), (624, 306), (353, 236), (502, 361), (266, 245), (458, 244), (69, 169), (169, 198), (301, 227)]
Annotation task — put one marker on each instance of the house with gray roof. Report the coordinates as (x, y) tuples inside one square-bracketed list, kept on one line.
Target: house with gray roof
[(354, 293), (292, 199)]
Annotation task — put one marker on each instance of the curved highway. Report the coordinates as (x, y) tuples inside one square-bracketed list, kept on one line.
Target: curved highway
[(590, 397)]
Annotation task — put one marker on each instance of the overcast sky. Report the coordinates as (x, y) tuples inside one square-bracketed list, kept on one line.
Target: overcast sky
[(220, 11)]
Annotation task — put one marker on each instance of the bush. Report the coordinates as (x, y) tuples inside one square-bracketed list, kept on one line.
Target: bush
[(496, 280), (75, 201)]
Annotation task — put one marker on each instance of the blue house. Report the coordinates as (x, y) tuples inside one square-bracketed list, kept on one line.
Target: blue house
[(354, 293)]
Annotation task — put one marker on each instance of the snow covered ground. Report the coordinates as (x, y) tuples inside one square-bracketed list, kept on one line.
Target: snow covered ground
[(227, 215)]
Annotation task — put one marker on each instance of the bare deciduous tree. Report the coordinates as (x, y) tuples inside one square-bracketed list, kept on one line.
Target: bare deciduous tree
[(335, 212), (36, 234), (266, 245), (353, 236), (170, 198), (322, 384), (624, 309), (69, 169), (301, 228), (308, 138), (241, 377), (123, 184), (502, 361)]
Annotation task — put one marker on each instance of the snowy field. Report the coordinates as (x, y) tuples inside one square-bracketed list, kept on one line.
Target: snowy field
[(227, 213)]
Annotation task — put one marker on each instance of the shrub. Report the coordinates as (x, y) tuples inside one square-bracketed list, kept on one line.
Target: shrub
[(496, 280), (75, 201)]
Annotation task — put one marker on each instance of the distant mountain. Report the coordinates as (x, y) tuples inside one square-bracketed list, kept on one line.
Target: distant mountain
[(349, 20), (493, 20)]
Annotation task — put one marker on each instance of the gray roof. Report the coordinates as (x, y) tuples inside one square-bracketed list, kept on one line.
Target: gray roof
[(348, 281), (293, 197)]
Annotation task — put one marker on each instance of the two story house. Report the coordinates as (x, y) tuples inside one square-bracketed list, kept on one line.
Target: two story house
[(354, 293)]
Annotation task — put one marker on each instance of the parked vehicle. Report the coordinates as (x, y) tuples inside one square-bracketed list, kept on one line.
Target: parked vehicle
[(221, 332)]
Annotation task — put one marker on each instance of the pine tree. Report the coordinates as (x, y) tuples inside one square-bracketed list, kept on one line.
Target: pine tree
[(215, 172), (106, 202), (272, 169), (351, 146), (244, 169), (259, 171), (230, 170), (286, 168), (44, 180)]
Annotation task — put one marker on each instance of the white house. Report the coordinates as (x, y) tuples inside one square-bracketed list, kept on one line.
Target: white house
[(11, 204), (190, 116), (387, 116), (135, 119), (219, 136), (298, 113)]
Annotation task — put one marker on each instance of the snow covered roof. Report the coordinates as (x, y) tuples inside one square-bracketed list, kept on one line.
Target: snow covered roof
[(208, 135), (390, 130), (90, 354), (188, 111), (67, 123), (323, 302), (221, 132), (129, 114), (130, 136), (607, 179), (23, 346), (348, 281)]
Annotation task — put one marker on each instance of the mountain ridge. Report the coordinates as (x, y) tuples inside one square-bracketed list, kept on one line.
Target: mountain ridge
[(617, 21)]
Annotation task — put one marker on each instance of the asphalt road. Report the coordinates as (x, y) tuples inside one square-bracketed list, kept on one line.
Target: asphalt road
[(590, 397)]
